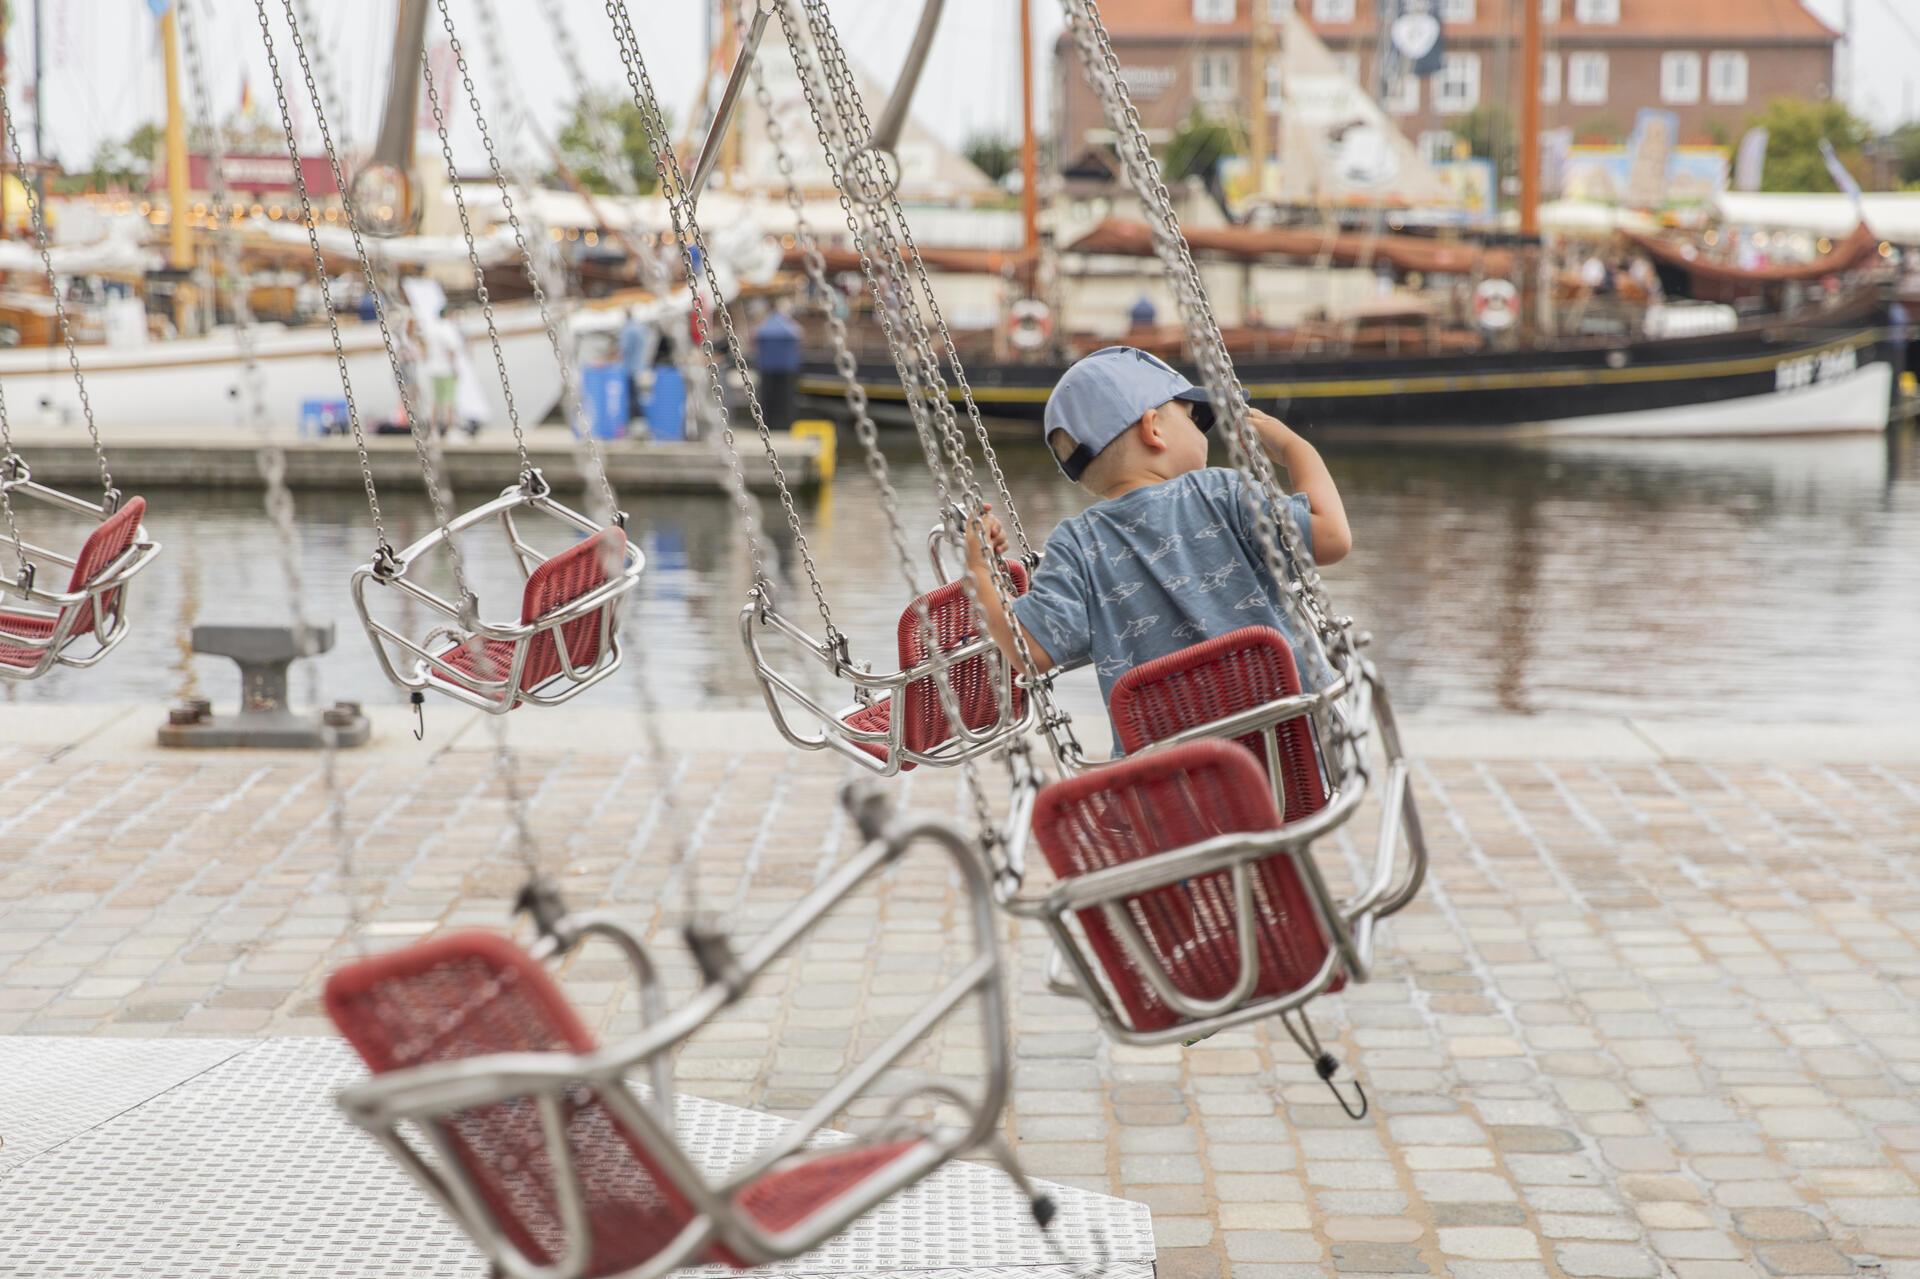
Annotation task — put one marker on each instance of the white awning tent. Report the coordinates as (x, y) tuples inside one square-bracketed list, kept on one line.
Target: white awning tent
[(1893, 215)]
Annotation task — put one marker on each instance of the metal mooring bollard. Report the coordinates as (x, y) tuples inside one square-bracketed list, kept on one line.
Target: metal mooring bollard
[(263, 654)]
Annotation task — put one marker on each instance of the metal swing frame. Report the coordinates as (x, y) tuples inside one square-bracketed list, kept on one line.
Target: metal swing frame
[(103, 599), (420, 667), (416, 1100), (1340, 714)]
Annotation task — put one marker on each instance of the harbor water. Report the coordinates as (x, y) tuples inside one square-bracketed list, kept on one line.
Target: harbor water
[(1738, 580)]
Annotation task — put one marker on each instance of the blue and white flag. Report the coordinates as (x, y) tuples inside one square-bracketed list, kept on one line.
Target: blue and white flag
[(1751, 161), (1418, 40), (1843, 179)]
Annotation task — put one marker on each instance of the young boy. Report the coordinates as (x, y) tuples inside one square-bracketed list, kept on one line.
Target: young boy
[(1169, 555)]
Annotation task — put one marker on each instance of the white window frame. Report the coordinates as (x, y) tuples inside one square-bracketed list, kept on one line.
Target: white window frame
[(1549, 10), (1436, 146), (1275, 84), (1209, 87), (1599, 13), (1214, 12), (1549, 78), (1403, 96), (1578, 91), (1727, 96), (1333, 10), (1278, 10), (1456, 86), (1680, 73), (1456, 10)]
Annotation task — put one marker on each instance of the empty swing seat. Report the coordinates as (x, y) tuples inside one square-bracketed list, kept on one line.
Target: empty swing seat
[(84, 608), (473, 995), (1126, 813), (925, 727), (1215, 679), (556, 583)]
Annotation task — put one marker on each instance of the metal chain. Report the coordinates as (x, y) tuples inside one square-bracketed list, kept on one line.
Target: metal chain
[(323, 67), (687, 231), (1282, 544), (9, 461), (473, 259), (271, 458), (424, 445), (109, 496), (892, 287), (384, 548), (595, 468)]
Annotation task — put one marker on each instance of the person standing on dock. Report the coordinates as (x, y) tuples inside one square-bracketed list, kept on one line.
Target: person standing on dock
[(444, 348), (776, 354), (637, 340)]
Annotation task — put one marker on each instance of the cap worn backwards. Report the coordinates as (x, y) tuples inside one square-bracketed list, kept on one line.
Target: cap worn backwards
[(1103, 394)]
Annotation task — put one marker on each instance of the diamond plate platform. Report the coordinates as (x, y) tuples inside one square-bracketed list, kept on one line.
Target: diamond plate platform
[(228, 1158)]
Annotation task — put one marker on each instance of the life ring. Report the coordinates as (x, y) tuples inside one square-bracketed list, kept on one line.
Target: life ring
[(1032, 324), (1496, 305)]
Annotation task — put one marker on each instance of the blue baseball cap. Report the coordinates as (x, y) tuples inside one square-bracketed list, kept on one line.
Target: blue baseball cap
[(1103, 394)]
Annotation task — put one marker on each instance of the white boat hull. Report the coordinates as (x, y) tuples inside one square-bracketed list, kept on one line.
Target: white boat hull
[(1852, 403), (200, 382)]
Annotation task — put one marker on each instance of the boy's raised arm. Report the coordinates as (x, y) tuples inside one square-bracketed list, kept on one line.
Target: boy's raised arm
[(999, 624), (1308, 473)]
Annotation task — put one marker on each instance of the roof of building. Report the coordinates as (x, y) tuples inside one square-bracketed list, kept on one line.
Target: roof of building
[(1729, 21)]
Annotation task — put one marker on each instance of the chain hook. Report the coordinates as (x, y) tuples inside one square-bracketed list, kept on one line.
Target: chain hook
[(419, 700), (386, 562)]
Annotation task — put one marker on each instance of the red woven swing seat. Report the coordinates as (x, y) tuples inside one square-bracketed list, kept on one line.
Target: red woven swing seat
[(560, 581), (926, 726), (1164, 800), (474, 994), (107, 543), (1214, 679)]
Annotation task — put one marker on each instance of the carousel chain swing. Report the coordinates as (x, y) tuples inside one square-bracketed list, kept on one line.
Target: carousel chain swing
[(110, 496)]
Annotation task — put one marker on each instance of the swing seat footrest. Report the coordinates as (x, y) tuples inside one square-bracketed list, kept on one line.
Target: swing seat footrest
[(25, 626), (875, 718), (795, 1191)]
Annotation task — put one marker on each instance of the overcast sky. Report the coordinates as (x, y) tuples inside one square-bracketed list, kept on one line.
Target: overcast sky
[(102, 71)]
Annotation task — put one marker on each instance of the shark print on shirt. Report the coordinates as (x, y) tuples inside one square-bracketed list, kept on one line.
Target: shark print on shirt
[(1213, 530), (1254, 599), (1124, 590), (1138, 626), (1116, 665), (1215, 578), (1190, 630), (1173, 584), (1168, 545)]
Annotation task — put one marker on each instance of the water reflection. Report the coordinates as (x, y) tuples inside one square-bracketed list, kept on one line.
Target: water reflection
[(1728, 580)]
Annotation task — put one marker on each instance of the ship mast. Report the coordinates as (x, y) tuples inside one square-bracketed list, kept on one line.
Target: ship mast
[(1530, 118), (1029, 152), (179, 241)]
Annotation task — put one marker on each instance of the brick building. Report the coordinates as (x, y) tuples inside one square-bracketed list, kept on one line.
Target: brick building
[(1714, 63)]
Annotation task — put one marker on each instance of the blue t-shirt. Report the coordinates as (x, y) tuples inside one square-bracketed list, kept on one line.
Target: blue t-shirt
[(1156, 570)]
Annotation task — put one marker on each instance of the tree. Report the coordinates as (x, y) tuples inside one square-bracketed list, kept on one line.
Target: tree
[(1489, 135), (1197, 147), (611, 116), (1906, 153), (1794, 128), (993, 154), (126, 163)]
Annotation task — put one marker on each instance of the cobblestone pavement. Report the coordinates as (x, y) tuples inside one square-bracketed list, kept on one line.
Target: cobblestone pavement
[(1647, 1019)]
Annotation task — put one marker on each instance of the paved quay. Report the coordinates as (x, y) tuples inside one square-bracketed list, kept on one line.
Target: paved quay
[(1657, 1012)]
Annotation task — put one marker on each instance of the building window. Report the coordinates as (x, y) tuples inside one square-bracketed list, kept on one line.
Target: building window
[(1679, 78), (1727, 78), (1598, 12), (1457, 87), (1549, 78), (1276, 85), (1333, 10), (1213, 10), (1403, 95), (1587, 79), (1213, 77), (1279, 10), (1456, 10), (1436, 146), (1549, 10)]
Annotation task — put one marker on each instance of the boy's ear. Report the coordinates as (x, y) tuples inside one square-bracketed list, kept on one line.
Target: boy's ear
[(1153, 432)]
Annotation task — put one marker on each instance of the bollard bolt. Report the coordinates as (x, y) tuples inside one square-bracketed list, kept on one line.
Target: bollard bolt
[(195, 710), (341, 715)]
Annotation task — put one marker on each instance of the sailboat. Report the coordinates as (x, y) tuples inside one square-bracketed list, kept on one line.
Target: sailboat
[(1392, 370)]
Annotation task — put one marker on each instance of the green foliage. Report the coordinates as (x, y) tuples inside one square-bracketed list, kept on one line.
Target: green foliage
[(1794, 129), (1489, 135), (1197, 147), (613, 116), (1905, 141), (993, 154), (126, 162)]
